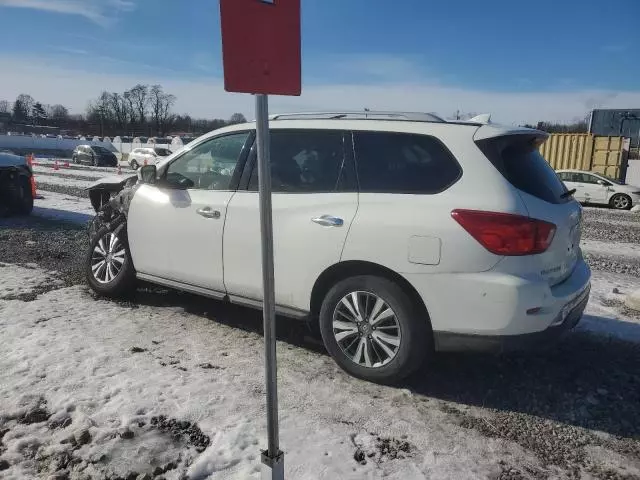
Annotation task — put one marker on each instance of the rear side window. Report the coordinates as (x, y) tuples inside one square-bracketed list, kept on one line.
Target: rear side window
[(307, 161), (390, 162), (519, 161)]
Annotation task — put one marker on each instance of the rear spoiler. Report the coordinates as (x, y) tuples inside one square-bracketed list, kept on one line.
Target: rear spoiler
[(489, 131)]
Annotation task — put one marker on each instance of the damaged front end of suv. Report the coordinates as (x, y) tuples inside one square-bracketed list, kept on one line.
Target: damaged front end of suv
[(109, 268), (110, 198), (16, 188)]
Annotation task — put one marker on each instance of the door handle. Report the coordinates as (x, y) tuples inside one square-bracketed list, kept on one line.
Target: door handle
[(208, 212), (328, 221)]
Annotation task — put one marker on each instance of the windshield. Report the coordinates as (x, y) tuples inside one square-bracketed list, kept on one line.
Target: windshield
[(163, 152), (612, 180)]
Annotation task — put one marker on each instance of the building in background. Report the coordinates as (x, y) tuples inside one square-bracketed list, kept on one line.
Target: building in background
[(617, 123)]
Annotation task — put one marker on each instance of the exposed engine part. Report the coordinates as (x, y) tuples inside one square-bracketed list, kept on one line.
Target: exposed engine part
[(111, 210)]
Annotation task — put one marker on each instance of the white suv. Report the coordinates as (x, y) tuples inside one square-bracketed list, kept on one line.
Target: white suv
[(146, 156), (400, 234)]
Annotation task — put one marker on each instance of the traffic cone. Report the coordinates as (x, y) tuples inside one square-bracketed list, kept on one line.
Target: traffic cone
[(55, 165), (32, 179), (34, 190)]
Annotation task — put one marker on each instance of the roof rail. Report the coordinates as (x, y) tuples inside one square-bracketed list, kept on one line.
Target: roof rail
[(359, 115)]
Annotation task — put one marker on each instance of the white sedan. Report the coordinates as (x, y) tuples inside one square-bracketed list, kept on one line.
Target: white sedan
[(594, 188)]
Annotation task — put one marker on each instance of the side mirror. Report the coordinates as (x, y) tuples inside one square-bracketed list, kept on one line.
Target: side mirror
[(602, 182), (148, 174)]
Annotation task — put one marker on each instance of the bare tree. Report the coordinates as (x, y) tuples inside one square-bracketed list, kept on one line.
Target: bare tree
[(237, 118), (138, 100), (5, 107), (161, 104), (58, 112), (22, 107)]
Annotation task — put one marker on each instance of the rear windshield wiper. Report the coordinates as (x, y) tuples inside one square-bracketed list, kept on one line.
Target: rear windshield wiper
[(568, 193)]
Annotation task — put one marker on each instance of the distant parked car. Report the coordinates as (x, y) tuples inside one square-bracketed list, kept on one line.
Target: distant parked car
[(16, 194), (94, 155), (147, 156), (594, 188)]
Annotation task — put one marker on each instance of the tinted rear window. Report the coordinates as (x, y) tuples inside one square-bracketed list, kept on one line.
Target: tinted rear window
[(390, 162), (520, 162)]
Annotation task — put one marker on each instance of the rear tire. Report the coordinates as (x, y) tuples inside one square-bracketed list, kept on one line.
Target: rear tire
[(620, 201), (108, 266), (134, 164), (383, 339)]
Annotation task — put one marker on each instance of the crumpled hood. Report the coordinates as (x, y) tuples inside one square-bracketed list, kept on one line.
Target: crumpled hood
[(112, 180), (10, 160)]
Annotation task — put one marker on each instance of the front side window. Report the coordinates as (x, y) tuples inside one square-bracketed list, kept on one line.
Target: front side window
[(306, 161), (390, 162), (209, 165), (586, 178)]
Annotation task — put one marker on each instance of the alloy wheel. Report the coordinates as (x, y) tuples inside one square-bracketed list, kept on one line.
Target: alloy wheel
[(621, 202), (366, 329), (107, 258)]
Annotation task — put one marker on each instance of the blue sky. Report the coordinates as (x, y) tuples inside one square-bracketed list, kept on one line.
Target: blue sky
[(547, 60)]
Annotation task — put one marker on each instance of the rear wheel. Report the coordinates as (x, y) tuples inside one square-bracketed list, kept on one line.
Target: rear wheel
[(620, 201), (134, 164), (109, 268), (373, 330)]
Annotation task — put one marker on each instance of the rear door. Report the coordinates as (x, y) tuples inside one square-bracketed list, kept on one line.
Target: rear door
[(314, 201), (545, 197)]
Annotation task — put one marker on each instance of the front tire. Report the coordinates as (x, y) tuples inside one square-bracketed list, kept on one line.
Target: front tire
[(24, 205), (108, 267), (373, 330), (620, 201)]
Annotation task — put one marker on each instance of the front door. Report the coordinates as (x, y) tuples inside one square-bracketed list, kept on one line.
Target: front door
[(314, 201), (176, 233), (589, 189)]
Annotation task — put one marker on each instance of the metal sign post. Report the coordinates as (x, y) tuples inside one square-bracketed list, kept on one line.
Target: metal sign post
[(268, 61), (272, 458)]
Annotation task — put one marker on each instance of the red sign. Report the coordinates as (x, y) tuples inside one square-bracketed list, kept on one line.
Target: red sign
[(261, 46)]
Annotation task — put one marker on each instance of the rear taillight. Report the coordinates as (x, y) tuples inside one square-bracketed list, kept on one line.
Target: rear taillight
[(506, 234)]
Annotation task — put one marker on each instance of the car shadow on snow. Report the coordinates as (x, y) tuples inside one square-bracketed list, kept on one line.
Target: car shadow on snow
[(587, 380)]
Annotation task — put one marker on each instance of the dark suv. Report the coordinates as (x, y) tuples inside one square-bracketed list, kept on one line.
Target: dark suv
[(94, 155)]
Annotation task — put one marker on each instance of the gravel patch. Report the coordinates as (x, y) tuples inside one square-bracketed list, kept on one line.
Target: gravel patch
[(613, 263), (582, 393), (69, 190), (610, 213), (611, 231), (53, 245)]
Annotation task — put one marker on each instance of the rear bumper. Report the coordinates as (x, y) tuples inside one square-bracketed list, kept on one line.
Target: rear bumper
[(457, 342), (500, 308)]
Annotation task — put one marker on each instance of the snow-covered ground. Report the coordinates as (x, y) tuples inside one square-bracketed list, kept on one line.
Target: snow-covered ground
[(167, 387), (87, 381), (105, 369), (63, 207)]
